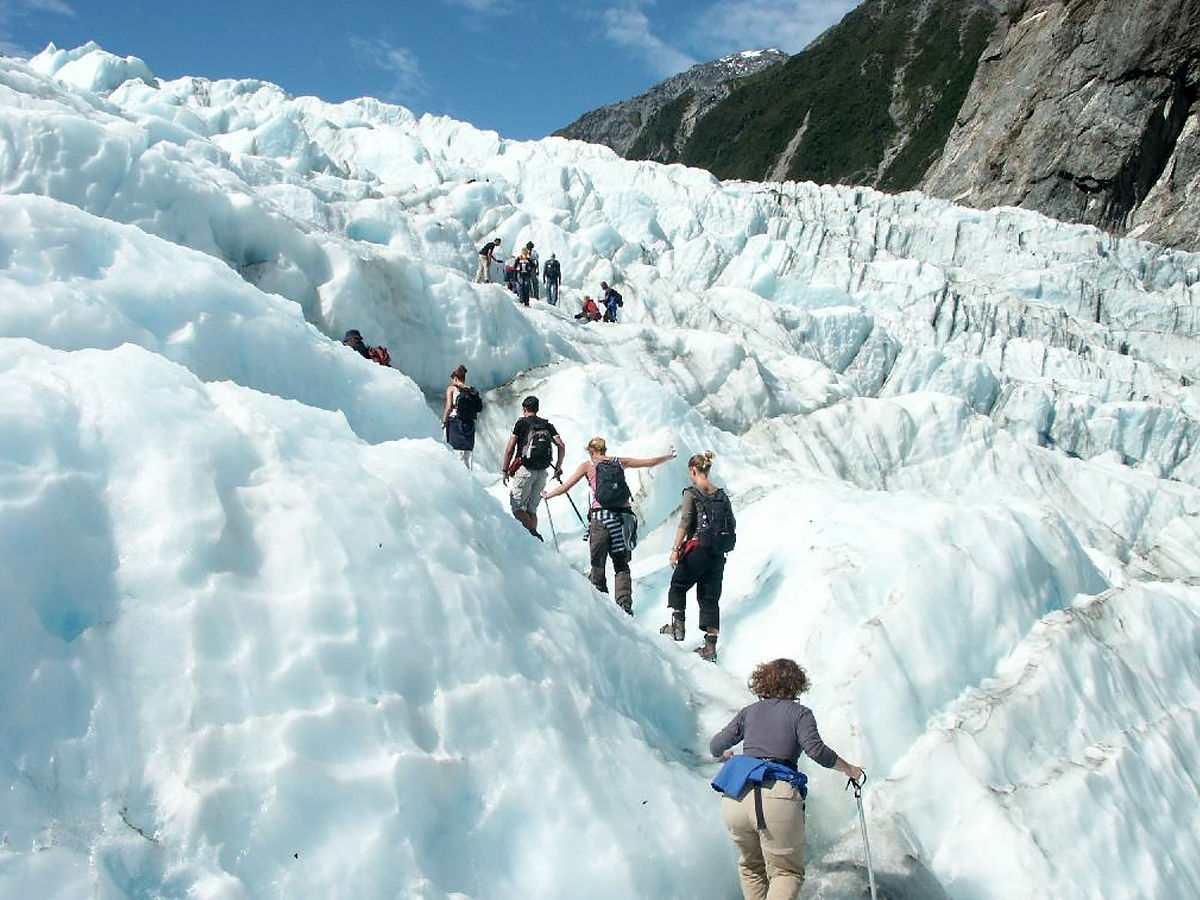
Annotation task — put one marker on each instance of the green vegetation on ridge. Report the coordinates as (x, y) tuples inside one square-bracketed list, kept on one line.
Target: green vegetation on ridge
[(657, 139), (845, 86)]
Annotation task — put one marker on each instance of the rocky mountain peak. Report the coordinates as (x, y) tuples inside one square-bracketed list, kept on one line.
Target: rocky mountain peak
[(655, 124)]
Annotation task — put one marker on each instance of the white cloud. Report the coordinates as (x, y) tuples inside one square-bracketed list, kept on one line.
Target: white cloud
[(50, 6), (483, 6), (399, 62), (790, 25), (629, 26)]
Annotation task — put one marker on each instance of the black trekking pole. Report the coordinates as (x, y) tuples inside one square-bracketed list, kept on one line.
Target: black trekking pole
[(862, 820), (553, 533), (567, 494)]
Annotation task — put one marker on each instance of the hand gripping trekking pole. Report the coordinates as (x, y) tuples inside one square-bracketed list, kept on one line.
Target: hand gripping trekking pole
[(862, 820)]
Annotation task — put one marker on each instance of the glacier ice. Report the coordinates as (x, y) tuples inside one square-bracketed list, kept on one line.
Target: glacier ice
[(265, 638)]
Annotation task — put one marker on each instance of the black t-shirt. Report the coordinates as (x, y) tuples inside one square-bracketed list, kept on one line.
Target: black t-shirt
[(525, 423), (521, 430)]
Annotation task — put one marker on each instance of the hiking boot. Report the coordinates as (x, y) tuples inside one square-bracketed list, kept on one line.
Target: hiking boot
[(708, 650), (536, 535), (626, 605), (674, 628)]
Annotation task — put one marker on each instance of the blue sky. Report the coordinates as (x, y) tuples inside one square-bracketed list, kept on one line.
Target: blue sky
[(521, 67)]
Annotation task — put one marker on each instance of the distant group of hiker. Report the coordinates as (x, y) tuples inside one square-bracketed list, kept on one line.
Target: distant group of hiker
[(763, 791), (523, 271)]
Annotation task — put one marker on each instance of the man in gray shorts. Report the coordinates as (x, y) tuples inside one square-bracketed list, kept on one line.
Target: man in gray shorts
[(533, 441)]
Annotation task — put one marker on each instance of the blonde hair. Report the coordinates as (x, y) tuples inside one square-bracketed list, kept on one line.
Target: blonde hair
[(701, 462), (598, 446)]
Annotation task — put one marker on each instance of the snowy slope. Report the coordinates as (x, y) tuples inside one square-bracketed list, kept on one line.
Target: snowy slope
[(268, 639)]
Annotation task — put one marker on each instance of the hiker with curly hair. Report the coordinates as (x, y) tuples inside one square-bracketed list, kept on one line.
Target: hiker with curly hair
[(763, 791)]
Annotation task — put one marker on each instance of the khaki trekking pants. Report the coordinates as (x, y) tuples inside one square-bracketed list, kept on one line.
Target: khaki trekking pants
[(483, 274), (599, 544), (772, 863)]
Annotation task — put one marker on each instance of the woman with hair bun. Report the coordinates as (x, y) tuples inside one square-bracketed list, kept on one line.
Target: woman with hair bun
[(705, 535), (612, 527), (763, 791)]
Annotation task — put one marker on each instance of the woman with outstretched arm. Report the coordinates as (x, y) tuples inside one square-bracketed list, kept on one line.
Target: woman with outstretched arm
[(612, 527)]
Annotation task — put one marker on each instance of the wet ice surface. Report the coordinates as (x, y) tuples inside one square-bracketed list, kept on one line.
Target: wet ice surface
[(265, 637)]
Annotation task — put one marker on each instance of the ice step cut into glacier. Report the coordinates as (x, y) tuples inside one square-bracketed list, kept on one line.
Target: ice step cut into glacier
[(264, 636)]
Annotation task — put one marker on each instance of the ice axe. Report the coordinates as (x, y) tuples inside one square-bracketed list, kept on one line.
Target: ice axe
[(862, 820)]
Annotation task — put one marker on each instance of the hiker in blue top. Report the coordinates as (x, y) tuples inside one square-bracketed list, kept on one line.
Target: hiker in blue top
[(611, 301), (763, 792)]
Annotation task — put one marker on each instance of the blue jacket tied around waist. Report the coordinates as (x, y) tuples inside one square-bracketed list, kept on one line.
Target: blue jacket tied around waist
[(743, 772)]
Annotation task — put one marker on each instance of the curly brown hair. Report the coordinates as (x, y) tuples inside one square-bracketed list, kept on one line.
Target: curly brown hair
[(781, 679)]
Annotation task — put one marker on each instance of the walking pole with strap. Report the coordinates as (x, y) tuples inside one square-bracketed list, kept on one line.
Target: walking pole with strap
[(862, 820), (553, 533)]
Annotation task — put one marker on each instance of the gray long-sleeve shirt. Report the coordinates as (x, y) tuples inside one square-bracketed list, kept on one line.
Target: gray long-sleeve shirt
[(775, 729)]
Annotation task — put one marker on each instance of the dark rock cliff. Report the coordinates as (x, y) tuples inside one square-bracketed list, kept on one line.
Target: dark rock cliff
[(1085, 110)]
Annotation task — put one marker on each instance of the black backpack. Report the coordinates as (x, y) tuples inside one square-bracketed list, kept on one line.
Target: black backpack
[(715, 525), (539, 445), (551, 271), (616, 297), (469, 404), (612, 491)]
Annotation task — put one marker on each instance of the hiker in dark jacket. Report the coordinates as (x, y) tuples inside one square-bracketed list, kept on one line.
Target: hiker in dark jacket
[(612, 529), (694, 563), (459, 425), (354, 340), (537, 271), (552, 276), (767, 822)]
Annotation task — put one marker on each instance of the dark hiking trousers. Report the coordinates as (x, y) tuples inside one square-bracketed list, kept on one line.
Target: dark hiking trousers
[(599, 544), (705, 569)]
